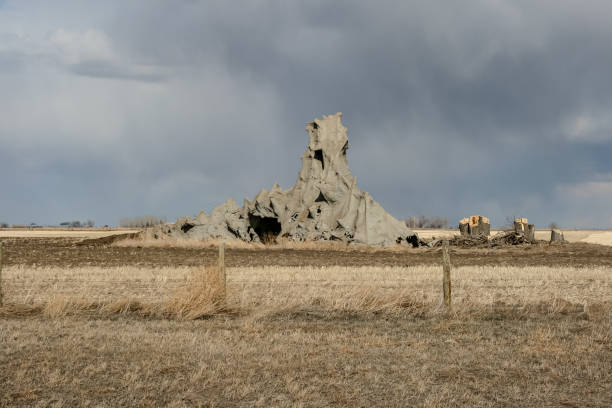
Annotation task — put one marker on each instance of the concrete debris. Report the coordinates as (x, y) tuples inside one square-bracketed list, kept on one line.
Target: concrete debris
[(324, 204), (523, 228), (501, 239), (474, 226), (509, 238), (557, 236)]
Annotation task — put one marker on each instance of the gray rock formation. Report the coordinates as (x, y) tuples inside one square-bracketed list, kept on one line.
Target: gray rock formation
[(324, 204)]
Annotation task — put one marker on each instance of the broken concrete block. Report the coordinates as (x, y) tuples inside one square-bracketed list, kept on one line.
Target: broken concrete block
[(556, 236), (530, 233), (520, 225), (474, 226), (464, 227), (524, 229)]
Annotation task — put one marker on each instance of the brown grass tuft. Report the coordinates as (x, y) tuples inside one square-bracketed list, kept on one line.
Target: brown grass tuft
[(124, 306), (202, 297), (60, 306)]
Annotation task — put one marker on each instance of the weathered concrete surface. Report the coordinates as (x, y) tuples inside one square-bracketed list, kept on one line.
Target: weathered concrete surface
[(522, 227), (324, 204), (474, 226), (557, 236)]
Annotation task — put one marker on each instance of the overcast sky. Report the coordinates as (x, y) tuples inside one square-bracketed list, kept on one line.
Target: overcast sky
[(114, 109)]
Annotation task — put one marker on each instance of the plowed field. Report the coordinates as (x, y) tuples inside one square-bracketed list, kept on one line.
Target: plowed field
[(66, 252)]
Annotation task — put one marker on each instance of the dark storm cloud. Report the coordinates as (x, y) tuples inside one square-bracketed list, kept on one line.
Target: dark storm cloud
[(497, 107)]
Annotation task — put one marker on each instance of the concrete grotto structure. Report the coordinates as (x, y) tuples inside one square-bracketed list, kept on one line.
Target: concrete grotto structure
[(324, 204)]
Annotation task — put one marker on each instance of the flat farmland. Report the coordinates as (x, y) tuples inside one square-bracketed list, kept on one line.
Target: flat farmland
[(67, 252), (140, 324)]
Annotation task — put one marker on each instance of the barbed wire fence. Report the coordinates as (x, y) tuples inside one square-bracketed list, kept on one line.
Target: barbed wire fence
[(150, 289)]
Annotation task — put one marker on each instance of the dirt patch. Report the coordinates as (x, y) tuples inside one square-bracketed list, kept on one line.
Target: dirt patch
[(108, 240), (64, 252)]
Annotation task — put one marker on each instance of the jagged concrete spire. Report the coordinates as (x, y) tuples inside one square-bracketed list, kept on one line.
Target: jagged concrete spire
[(324, 204)]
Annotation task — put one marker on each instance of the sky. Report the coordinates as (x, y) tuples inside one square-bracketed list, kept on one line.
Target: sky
[(121, 109)]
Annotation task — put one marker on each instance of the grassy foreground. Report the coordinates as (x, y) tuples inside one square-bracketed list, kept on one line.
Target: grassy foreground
[(308, 358), (306, 336)]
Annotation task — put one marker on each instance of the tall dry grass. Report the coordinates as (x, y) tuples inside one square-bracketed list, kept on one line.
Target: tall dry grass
[(181, 293), (347, 288), (190, 293)]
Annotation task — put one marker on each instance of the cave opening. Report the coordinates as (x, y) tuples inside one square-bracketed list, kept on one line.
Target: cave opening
[(266, 228), (318, 154), (186, 227)]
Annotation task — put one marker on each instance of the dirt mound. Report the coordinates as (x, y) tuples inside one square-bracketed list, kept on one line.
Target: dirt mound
[(109, 239)]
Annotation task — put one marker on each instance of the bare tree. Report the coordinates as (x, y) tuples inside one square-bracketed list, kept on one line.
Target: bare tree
[(141, 222), (509, 222), (426, 222)]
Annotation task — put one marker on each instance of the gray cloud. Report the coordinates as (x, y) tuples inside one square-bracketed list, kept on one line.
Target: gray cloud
[(156, 107)]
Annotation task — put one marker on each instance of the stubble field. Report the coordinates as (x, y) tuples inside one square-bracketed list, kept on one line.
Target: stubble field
[(142, 325)]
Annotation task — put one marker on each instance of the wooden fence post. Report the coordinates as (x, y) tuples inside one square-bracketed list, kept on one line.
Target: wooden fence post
[(1, 261), (222, 278), (446, 282)]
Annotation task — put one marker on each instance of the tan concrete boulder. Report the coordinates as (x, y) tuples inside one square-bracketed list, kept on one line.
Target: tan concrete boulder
[(523, 228), (474, 226)]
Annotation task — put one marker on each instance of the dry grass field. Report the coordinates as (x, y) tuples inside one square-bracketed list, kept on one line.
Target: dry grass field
[(336, 288), (62, 232), (134, 325)]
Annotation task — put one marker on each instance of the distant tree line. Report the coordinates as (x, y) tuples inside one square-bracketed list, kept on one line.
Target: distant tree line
[(142, 222), (426, 222), (88, 223), (77, 224)]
